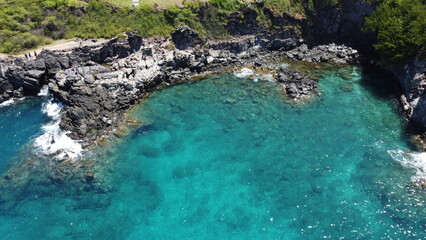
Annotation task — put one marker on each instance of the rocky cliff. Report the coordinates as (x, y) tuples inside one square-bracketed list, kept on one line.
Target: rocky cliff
[(98, 84), (341, 24), (411, 76), (21, 77)]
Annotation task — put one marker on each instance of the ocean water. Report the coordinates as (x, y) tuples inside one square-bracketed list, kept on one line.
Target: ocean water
[(20, 122), (230, 158)]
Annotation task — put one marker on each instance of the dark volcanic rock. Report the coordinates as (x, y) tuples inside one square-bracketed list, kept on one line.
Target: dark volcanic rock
[(96, 96), (52, 64), (341, 24), (412, 78), (25, 78), (295, 85), (15, 76), (117, 48), (31, 86), (243, 23), (281, 44), (324, 53), (184, 38)]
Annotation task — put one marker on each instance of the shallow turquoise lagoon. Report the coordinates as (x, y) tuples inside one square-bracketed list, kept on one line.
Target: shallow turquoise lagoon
[(229, 158)]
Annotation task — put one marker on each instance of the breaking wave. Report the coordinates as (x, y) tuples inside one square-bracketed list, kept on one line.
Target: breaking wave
[(416, 161), (54, 141)]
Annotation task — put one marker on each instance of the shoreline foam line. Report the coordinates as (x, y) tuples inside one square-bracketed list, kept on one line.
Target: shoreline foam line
[(416, 161), (7, 103), (54, 141)]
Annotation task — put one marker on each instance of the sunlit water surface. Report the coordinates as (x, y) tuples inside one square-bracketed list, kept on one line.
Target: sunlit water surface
[(228, 158)]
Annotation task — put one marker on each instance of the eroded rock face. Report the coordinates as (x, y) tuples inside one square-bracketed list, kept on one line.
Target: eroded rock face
[(184, 38), (324, 53), (25, 78), (96, 95), (342, 24), (412, 78), (243, 23), (295, 85)]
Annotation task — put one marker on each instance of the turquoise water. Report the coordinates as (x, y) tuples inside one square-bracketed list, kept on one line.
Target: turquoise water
[(19, 123), (229, 158)]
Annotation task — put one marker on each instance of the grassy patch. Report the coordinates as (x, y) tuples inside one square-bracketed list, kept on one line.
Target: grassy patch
[(160, 3)]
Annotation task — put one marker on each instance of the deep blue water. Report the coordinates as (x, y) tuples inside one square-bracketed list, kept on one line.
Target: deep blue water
[(229, 158)]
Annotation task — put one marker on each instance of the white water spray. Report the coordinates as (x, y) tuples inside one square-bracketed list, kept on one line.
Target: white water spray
[(54, 141), (415, 161)]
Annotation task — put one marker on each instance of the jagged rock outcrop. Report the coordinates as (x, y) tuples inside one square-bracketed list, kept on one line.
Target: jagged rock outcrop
[(20, 78), (184, 38), (412, 78), (324, 53), (243, 23), (96, 95), (341, 24), (295, 85)]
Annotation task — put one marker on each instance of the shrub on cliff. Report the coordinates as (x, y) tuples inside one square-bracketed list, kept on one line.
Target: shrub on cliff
[(400, 26)]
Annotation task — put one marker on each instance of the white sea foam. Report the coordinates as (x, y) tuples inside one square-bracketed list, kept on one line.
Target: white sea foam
[(7, 103), (268, 77), (284, 65), (248, 73), (415, 161), (11, 101), (44, 91), (54, 141), (244, 73)]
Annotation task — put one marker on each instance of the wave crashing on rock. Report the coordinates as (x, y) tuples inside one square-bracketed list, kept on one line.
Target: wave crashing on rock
[(416, 161), (55, 141)]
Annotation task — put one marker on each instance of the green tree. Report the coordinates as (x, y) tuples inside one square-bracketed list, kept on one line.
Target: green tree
[(400, 27)]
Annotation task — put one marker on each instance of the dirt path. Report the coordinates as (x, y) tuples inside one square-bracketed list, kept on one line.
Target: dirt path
[(58, 46)]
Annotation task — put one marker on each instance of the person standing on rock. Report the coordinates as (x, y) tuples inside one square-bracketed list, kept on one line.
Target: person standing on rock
[(35, 54)]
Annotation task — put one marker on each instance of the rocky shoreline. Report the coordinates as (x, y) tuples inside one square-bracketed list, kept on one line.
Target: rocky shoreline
[(411, 76), (98, 84)]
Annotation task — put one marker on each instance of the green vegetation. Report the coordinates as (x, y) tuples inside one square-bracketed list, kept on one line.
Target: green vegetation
[(294, 7), (400, 26), (160, 3), (24, 24)]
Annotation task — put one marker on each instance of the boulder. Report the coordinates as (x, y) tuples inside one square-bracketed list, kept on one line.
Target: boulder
[(303, 48), (184, 38), (135, 41), (40, 64), (37, 74), (89, 79), (64, 61), (15, 76), (52, 65), (31, 86), (285, 44)]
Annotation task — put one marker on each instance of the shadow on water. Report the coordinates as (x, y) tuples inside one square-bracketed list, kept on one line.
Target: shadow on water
[(384, 86), (380, 82)]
